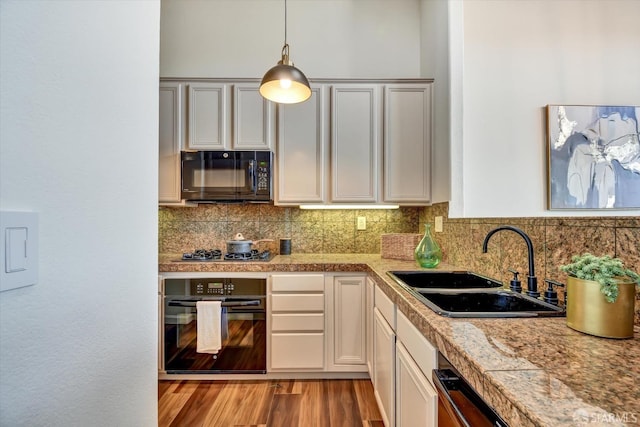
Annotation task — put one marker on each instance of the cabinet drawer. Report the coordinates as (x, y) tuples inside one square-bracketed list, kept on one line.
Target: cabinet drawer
[(297, 322), (386, 307), (422, 351), (297, 302), (297, 283), (297, 351)]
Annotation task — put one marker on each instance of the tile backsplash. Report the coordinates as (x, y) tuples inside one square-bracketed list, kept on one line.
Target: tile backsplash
[(555, 239), (183, 229)]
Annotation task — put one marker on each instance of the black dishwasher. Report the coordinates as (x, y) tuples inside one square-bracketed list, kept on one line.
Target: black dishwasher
[(458, 403)]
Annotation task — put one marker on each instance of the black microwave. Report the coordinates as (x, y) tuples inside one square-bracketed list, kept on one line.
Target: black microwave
[(226, 176)]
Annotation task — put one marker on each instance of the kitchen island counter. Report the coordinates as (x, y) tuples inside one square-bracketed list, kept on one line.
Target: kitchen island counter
[(533, 371)]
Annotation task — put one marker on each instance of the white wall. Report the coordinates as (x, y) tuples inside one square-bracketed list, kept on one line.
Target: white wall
[(327, 38), (78, 145), (434, 63), (517, 57)]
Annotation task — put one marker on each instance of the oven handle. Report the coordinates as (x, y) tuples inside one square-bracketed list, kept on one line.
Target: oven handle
[(452, 410), (192, 304), (445, 381)]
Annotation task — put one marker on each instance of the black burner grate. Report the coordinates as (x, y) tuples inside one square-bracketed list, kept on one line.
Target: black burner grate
[(216, 255), (203, 255)]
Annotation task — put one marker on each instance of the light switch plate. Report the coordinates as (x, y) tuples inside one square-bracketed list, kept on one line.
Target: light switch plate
[(362, 223), (438, 226), (18, 249)]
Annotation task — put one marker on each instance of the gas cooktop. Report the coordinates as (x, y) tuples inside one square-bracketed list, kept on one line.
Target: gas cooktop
[(212, 255)]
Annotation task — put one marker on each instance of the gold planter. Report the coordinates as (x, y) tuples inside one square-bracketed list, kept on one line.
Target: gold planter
[(588, 311)]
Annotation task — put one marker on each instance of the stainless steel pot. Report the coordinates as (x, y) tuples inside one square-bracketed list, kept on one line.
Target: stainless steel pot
[(240, 245)]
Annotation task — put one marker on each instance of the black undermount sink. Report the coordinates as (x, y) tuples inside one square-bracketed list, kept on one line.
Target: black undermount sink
[(421, 279), (465, 294)]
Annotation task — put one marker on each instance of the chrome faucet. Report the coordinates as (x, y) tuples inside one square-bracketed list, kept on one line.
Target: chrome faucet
[(532, 281)]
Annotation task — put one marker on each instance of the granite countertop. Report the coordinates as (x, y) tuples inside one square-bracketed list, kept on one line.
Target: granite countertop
[(534, 372)]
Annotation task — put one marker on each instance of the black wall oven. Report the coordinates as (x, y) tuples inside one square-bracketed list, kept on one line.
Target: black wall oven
[(243, 326), (458, 403), (226, 176)]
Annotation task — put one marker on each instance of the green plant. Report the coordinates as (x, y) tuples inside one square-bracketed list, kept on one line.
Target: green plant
[(603, 270)]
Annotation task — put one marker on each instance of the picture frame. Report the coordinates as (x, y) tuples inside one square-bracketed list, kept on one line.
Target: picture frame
[(593, 157)]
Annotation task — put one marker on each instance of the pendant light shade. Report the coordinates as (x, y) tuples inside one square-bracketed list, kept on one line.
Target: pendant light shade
[(285, 83)]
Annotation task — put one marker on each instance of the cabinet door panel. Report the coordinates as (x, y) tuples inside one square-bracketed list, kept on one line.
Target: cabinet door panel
[(297, 351), (208, 128), (384, 368), (302, 150), (416, 399), (370, 285), (386, 307), (170, 136), (253, 119), (354, 143), (425, 354), (349, 320), (407, 144)]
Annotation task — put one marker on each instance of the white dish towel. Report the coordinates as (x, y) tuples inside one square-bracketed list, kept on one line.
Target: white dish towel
[(209, 320)]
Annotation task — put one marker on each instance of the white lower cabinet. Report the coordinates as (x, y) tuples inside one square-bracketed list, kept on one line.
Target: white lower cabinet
[(317, 322), (384, 369), (416, 399), (296, 322), (297, 350), (384, 353), (402, 366), (348, 327), (370, 286)]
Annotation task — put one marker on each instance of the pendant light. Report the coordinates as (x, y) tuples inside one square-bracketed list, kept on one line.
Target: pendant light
[(284, 83)]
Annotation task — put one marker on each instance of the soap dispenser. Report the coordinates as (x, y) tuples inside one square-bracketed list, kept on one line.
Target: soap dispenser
[(550, 295), (516, 285)]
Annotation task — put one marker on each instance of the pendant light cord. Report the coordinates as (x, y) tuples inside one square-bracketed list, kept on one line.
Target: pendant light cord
[(285, 22)]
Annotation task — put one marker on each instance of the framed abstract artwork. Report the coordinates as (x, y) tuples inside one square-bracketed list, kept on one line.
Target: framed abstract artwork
[(593, 155)]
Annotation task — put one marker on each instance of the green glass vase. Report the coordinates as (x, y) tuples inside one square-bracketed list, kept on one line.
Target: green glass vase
[(428, 253)]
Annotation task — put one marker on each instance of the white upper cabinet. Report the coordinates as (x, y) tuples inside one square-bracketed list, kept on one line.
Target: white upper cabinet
[(170, 137), (229, 116), (208, 116), (253, 119), (355, 143), (340, 154), (301, 155), (407, 144)]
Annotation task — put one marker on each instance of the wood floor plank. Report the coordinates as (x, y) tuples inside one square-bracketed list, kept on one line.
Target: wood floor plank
[(314, 405), (285, 411), (241, 403), (287, 387), (185, 386), (194, 411), (367, 406), (169, 406), (343, 404), (163, 387)]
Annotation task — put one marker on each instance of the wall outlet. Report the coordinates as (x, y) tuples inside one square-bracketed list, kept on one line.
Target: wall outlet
[(362, 223), (438, 226)]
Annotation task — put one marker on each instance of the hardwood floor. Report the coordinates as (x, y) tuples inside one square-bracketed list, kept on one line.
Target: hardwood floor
[(274, 403)]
